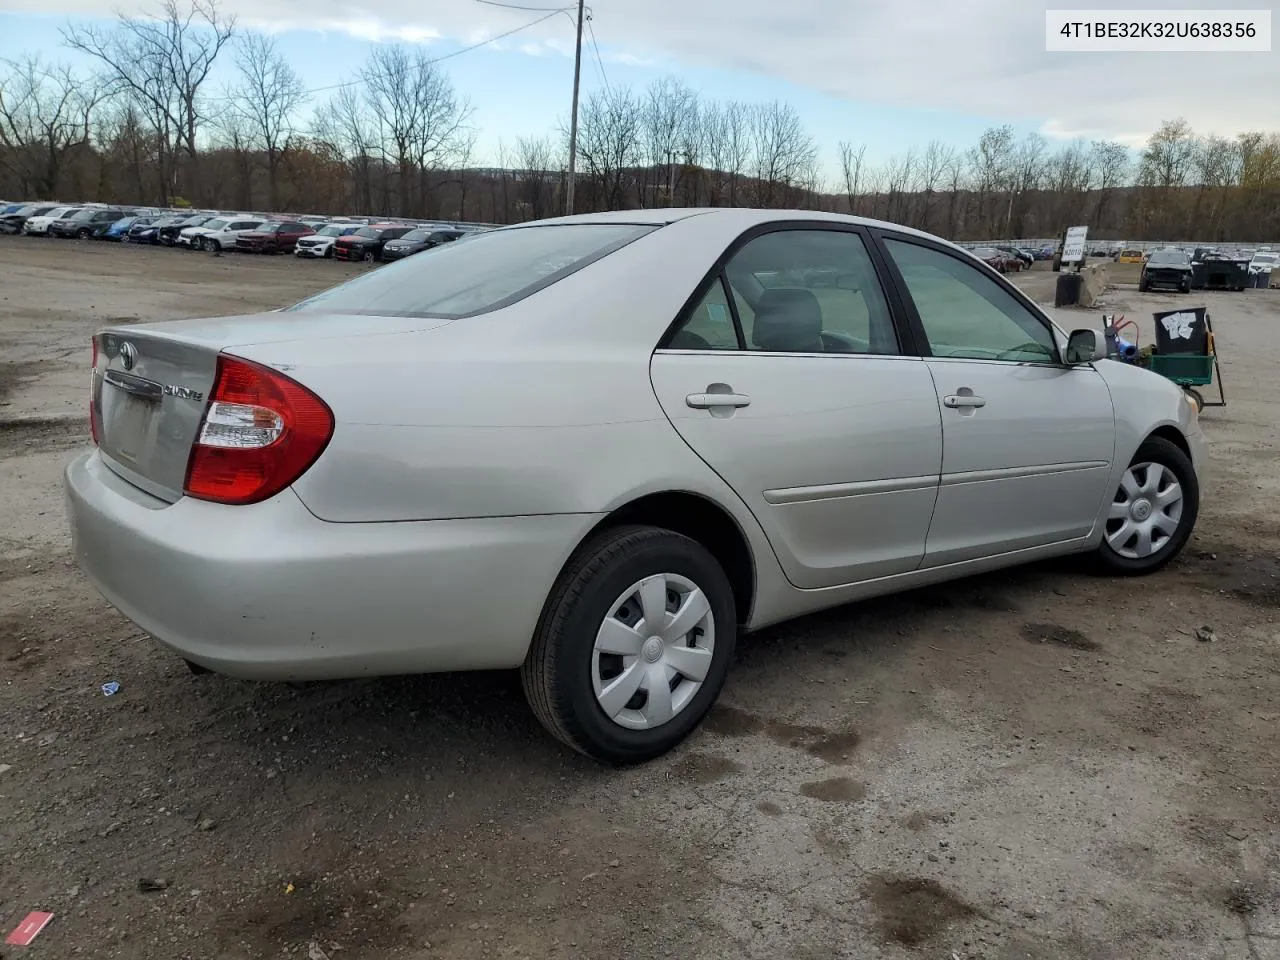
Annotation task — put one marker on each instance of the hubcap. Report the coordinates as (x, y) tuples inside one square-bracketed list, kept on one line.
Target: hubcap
[(653, 651), (1145, 512)]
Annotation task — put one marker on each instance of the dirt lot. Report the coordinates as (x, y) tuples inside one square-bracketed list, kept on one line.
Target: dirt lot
[(1037, 764)]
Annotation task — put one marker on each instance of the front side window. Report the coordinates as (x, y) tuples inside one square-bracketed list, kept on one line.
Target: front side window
[(965, 313), (799, 291), (485, 274)]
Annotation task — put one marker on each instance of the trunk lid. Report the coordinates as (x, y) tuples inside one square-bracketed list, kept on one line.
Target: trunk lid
[(152, 383)]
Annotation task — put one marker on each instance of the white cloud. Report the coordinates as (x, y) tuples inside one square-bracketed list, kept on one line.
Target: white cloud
[(982, 57)]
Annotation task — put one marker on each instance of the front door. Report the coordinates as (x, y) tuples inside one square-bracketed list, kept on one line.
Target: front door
[(1027, 441), (786, 377)]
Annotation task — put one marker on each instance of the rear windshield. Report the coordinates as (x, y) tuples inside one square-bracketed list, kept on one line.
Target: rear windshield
[(490, 272)]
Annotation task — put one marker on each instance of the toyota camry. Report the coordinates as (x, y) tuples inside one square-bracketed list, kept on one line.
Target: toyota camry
[(597, 448)]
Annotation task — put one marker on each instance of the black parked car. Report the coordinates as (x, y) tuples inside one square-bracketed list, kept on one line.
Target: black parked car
[(12, 221), (366, 243), (1166, 268), (167, 233), (89, 222), (147, 229), (415, 241)]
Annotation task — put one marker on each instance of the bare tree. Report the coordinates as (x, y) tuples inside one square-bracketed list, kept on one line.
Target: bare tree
[(162, 62), (46, 113), (668, 105), (421, 118), (267, 97), (1110, 162), (783, 154), (991, 161), (609, 130), (1026, 174), (898, 174), (851, 164), (344, 124), (535, 163), (933, 165)]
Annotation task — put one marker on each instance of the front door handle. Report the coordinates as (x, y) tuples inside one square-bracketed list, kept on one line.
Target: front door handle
[(959, 402), (707, 401)]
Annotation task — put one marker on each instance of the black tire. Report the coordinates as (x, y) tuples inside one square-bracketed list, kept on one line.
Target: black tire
[(82, 234), (1184, 288), (1143, 285), (1160, 451), (557, 672), (1197, 396), (370, 256)]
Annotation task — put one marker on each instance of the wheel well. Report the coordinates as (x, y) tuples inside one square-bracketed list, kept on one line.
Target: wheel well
[(698, 519), (1174, 436)]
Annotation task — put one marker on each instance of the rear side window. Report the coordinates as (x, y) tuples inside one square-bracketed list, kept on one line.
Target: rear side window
[(795, 291), (486, 273)]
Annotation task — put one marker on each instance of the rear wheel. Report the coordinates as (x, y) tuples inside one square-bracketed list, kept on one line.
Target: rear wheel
[(1152, 512), (633, 645), (82, 233)]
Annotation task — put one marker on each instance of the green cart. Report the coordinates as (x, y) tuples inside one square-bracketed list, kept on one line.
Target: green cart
[(1188, 370)]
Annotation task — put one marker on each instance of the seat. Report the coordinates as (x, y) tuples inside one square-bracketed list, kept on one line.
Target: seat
[(788, 320)]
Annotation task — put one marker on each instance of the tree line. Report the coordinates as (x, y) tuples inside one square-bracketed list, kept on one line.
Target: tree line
[(147, 125)]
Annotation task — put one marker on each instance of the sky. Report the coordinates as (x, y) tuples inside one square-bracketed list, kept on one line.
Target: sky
[(889, 73)]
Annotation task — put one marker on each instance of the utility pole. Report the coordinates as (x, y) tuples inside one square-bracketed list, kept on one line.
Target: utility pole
[(573, 121)]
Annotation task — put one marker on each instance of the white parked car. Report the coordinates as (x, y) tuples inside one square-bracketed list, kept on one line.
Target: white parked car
[(224, 238), (595, 448), (39, 226), (187, 236), (320, 244)]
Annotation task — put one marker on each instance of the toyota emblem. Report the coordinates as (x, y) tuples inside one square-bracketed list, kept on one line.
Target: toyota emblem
[(128, 355)]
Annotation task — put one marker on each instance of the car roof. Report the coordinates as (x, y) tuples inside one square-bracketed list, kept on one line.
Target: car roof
[(736, 217)]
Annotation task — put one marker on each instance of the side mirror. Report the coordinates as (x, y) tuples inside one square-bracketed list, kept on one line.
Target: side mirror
[(1083, 346)]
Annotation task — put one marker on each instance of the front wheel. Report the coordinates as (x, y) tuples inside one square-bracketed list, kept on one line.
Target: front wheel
[(370, 256), (1152, 512), (82, 234), (633, 645)]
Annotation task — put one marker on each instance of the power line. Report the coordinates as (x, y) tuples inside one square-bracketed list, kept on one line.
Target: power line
[(516, 6), (595, 46), (447, 56)]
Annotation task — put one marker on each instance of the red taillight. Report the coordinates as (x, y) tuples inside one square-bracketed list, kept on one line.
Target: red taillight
[(93, 373), (260, 433)]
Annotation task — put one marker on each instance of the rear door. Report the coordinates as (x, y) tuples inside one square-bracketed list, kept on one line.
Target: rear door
[(786, 375), (1027, 441)]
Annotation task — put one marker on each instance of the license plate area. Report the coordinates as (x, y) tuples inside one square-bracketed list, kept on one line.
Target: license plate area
[(126, 421)]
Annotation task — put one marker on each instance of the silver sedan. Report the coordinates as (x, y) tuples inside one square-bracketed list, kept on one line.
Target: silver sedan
[(596, 448)]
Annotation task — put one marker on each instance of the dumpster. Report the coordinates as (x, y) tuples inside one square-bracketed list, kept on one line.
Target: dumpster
[(1067, 291), (1211, 270)]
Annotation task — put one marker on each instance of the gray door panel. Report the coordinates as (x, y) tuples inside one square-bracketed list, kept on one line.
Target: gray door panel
[(836, 455)]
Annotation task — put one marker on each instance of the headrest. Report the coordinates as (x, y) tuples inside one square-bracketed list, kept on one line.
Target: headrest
[(788, 320)]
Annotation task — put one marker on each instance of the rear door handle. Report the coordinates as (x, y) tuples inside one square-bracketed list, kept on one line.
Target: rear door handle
[(706, 401), (956, 402)]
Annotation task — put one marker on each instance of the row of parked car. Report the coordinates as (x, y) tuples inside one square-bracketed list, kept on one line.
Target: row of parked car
[(1009, 259), (344, 238)]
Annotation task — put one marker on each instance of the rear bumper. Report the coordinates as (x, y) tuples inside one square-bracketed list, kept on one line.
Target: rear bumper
[(270, 592)]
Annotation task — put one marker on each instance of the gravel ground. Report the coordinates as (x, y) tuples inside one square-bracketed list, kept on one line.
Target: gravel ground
[(1035, 764)]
